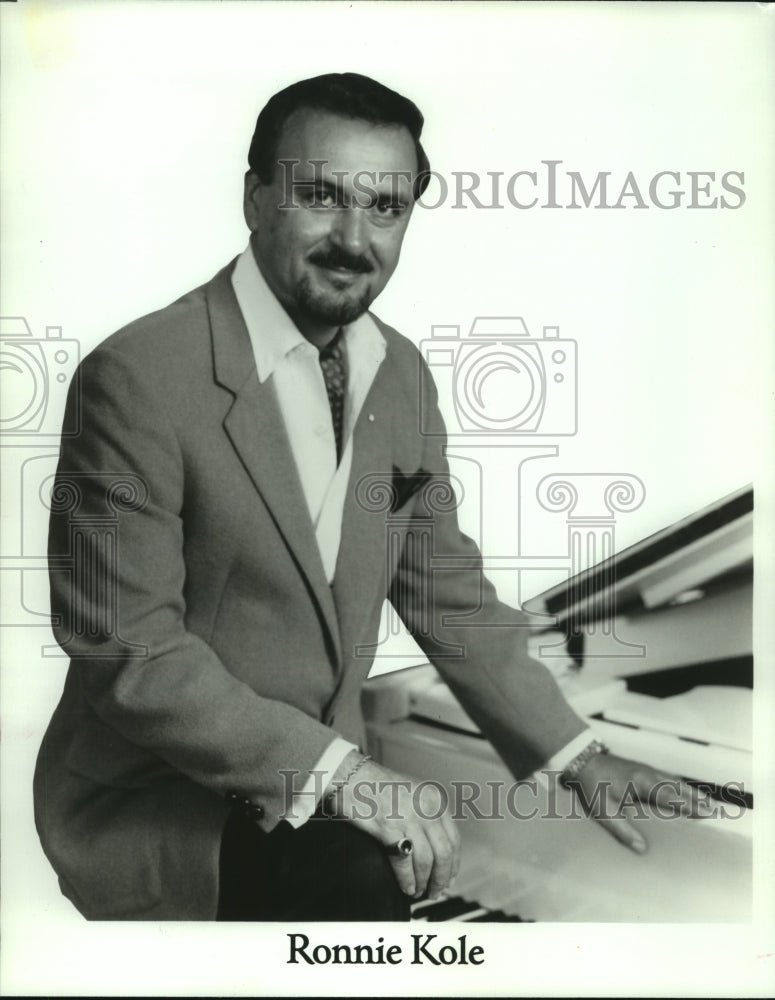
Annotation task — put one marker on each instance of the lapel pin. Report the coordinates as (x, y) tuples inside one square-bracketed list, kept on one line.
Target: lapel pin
[(371, 418)]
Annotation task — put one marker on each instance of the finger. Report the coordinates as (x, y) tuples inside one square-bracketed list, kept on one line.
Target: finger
[(699, 801), (422, 859), (403, 869), (670, 796), (670, 793), (441, 873), (623, 831), (450, 828)]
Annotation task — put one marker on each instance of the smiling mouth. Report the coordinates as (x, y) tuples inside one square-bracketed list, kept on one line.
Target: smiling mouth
[(342, 263), (340, 274)]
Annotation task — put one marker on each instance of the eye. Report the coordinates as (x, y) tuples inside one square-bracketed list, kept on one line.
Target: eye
[(389, 209), (320, 198)]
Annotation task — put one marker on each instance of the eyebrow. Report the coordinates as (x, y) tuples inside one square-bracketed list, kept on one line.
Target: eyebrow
[(325, 186)]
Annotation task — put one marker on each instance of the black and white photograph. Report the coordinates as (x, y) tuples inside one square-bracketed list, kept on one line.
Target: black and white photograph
[(386, 435)]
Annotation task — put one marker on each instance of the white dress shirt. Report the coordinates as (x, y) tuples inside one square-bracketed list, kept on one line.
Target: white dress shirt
[(283, 354), (293, 364)]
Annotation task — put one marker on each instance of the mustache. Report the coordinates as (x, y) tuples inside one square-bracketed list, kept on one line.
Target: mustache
[(336, 257)]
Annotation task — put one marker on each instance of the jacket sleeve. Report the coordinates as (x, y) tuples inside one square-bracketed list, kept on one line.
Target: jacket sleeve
[(118, 605), (513, 699)]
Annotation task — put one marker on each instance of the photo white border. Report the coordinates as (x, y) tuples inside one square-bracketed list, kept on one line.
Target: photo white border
[(124, 136)]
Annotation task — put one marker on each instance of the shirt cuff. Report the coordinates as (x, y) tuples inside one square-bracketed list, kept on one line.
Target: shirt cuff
[(306, 800), (563, 757)]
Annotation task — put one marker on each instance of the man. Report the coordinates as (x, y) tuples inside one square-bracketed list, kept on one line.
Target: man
[(214, 637)]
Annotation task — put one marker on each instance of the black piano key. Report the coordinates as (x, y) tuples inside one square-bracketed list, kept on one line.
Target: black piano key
[(498, 917), (457, 908)]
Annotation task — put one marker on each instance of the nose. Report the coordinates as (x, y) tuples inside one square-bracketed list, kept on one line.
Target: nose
[(349, 230)]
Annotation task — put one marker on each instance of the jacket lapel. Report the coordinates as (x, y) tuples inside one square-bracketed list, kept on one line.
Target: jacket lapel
[(256, 430), (361, 564)]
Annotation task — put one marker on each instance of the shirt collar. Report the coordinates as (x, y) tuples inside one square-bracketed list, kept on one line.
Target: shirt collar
[(273, 334)]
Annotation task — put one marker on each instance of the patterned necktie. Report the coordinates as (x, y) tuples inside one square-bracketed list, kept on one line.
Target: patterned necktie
[(333, 363)]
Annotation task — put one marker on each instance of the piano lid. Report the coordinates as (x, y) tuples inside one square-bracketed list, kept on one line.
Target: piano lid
[(667, 566)]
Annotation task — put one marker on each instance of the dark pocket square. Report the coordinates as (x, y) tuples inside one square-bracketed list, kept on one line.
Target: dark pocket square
[(405, 485)]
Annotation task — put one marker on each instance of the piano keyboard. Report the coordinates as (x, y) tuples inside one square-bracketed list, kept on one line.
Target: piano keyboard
[(457, 908)]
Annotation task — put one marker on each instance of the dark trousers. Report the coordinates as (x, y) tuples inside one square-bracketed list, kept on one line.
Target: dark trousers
[(325, 870)]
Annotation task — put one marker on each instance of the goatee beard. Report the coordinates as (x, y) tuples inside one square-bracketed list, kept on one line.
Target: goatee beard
[(327, 307)]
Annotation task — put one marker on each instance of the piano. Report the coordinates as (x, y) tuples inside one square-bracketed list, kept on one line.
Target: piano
[(681, 600)]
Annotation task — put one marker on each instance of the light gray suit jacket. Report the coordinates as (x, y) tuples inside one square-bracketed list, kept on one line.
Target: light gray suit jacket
[(208, 652)]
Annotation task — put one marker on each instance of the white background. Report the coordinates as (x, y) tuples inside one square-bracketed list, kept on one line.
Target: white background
[(125, 129)]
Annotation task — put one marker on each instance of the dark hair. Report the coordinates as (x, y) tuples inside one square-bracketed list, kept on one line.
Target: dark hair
[(350, 95)]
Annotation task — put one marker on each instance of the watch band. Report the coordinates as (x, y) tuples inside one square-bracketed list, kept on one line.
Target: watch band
[(572, 770)]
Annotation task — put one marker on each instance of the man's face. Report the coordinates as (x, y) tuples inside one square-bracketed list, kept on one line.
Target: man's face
[(331, 250)]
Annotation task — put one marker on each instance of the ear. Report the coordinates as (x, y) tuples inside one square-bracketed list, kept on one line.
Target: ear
[(251, 199)]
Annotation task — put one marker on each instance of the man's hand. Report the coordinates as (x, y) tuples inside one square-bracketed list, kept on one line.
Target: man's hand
[(390, 807), (607, 784)]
